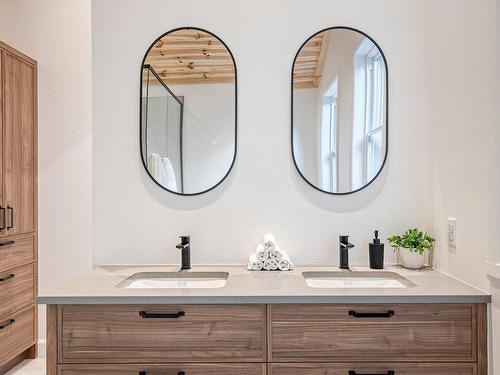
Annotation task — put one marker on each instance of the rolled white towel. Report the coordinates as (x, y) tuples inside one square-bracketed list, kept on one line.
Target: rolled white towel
[(285, 264), (269, 242), (261, 252), (276, 254), (254, 264), (270, 265)]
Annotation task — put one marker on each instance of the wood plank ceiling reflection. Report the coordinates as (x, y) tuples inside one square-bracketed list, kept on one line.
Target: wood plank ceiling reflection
[(310, 60), (191, 56)]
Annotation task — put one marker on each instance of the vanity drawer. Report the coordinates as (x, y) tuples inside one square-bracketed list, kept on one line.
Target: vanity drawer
[(372, 368), (172, 369), (17, 334), (17, 289), (16, 251), (402, 332), (201, 333)]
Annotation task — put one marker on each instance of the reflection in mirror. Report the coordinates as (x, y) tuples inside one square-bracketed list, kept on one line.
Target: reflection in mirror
[(339, 110), (188, 111)]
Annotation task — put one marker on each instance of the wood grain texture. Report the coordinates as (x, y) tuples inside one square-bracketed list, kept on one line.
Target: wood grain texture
[(19, 127), (190, 56), (118, 334), (5, 367), (165, 369), (308, 66), (416, 332), (20, 253), (52, 337), (482, 339), (18, 292), (18, 192), (19, 336), (373, 368), (3, 229)]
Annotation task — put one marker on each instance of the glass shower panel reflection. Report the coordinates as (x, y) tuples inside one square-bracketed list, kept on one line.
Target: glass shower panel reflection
[(161, 132)]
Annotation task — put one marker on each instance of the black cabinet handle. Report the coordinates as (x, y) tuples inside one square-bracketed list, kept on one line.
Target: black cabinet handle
[(11, 216), (7, 243), (390, 372), (2, 218), (179, 373), (8, 277), (147, 315), (387, 314), (7, 323)]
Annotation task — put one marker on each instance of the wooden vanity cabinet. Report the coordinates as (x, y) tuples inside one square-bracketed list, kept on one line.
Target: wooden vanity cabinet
[(278, 339), (159, 334), (18, 207), (395, 368), (373, 332)]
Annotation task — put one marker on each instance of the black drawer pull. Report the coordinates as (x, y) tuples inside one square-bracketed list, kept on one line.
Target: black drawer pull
[(390, 372), (179, 373), (11, 224), (8, 277), (147, 315), (387, 314), (7, 243), (7, 323)]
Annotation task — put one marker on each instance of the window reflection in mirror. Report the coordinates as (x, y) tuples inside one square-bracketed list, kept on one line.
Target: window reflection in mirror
[(339, 119), (188, 111)]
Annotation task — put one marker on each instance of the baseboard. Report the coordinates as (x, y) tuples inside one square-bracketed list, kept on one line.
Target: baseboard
[(42, 348)]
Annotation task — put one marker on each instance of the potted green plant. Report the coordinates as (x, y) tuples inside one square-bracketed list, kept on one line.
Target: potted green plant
[(412, 246)]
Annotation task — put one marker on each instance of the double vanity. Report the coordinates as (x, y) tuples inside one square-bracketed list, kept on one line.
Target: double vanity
[(124, 320)]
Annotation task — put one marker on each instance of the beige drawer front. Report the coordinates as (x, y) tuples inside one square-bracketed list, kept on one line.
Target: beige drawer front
[(372, 368), (171, 369), (410, 333), (17, 289), (16, 251), (204, 333), (17, 334)]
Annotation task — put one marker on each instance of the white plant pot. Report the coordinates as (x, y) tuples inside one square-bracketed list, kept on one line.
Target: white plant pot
[(412, 259)]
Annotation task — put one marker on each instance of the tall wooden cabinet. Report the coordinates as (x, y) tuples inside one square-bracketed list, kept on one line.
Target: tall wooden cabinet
[(18, 207)]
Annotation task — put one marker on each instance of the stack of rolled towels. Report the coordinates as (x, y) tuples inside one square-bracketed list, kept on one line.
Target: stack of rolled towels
[(269, 257)]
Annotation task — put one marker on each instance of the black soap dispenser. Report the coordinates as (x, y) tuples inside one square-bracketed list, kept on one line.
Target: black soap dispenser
[(376, 253)]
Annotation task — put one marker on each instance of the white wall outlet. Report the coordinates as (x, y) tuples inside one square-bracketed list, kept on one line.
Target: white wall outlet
[(452, 233)]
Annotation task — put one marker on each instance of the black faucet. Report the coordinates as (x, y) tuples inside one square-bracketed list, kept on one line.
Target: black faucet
[(344, 246), (185, 247)]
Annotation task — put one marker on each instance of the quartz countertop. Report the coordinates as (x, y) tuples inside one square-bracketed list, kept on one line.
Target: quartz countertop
[(243, 286)]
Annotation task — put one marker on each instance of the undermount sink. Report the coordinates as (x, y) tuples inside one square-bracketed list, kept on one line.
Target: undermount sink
[(173, 280), (356, 279)]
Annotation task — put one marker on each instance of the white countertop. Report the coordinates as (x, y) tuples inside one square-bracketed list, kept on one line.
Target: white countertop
[(243, 286)]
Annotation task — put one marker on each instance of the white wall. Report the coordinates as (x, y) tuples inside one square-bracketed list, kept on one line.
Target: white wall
[(136, 222), (461, 111), (57, 34), (494, 251)]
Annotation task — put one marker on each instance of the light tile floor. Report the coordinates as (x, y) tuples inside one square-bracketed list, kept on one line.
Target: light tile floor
[(29, 367)]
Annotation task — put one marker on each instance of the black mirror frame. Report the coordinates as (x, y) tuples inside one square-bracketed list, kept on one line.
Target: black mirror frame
[(386, 109), (235, 110)]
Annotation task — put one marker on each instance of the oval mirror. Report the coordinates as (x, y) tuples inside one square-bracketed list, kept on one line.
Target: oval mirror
[(188, 111), (339, 110)]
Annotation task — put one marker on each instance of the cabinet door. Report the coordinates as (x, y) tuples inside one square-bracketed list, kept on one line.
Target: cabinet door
[(19, 145)]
